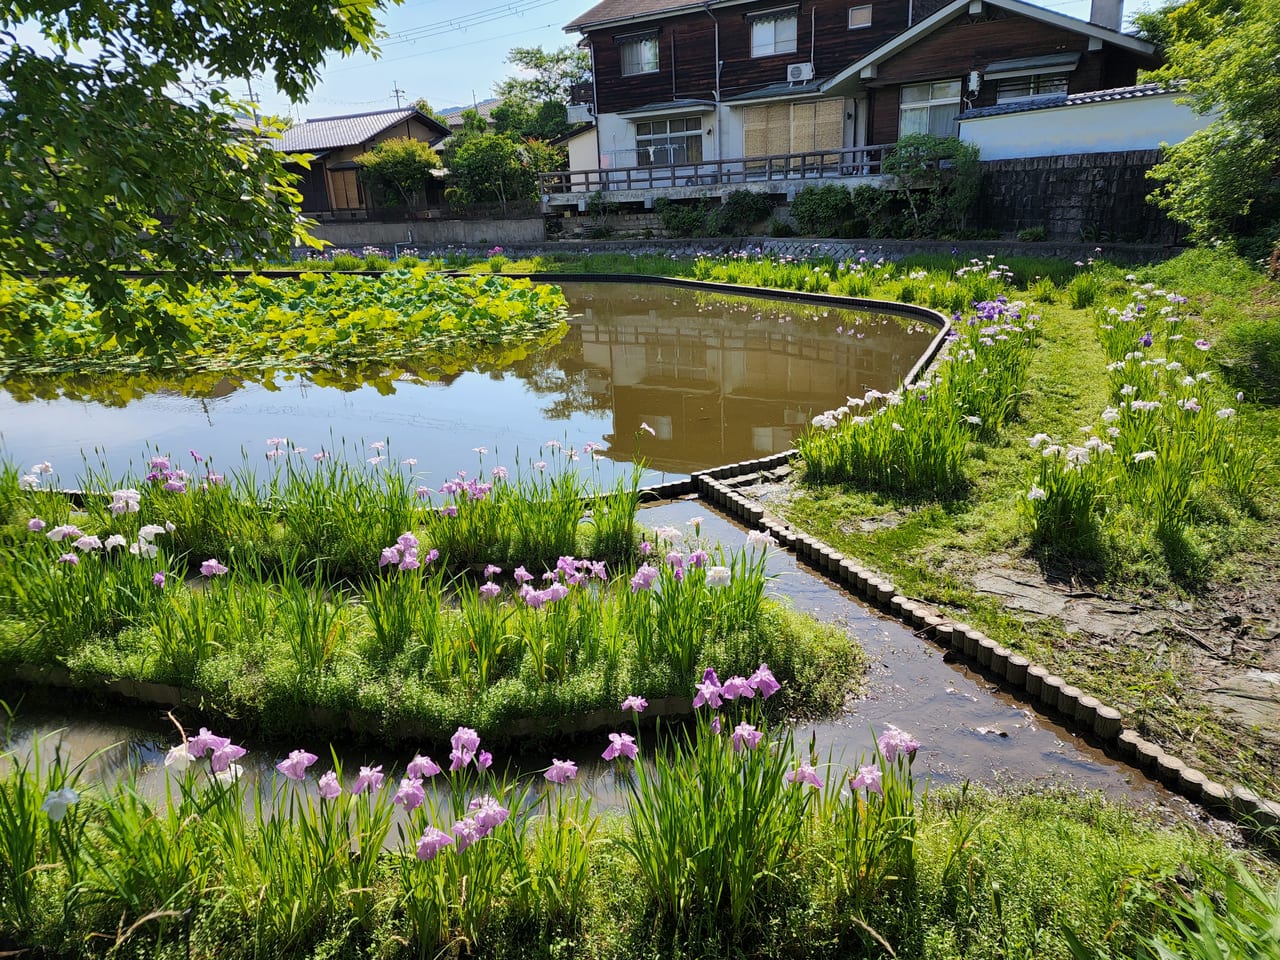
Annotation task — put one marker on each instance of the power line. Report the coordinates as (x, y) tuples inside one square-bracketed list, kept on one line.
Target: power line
[(435, 50), (462, 23)]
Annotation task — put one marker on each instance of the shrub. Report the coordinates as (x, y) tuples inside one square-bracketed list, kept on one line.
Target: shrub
[(681, 219), (868, 206), (347, 261), (938, 177), (818, 211), (398, 171), (1033, 235), (780, 228), (740, 211)]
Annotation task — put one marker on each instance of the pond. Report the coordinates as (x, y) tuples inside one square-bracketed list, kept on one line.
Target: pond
[(716, 378)]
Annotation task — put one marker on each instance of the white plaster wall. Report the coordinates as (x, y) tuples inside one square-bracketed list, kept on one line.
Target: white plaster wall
[(731, 128), (616, 133), (1114, 125), (582, 156)]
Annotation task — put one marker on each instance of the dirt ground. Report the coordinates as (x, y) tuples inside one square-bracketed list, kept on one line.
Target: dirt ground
[(1223, 645)]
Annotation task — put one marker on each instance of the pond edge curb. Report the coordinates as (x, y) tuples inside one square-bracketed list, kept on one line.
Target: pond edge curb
[(1084, 714)]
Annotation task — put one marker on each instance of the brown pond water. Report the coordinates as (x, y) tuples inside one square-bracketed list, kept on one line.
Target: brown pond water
[(717, 378)]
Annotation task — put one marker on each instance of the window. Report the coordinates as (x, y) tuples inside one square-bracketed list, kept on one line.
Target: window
[(859, 17), (930, 108), (775, 129), (664, 142), (773, 34), (639, 56), (1035, 85)]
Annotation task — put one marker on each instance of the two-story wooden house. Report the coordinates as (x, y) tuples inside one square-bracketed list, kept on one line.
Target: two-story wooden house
[(698, 98)]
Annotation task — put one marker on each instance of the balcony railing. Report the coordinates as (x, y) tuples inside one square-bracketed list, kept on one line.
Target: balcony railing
[(851, 162)]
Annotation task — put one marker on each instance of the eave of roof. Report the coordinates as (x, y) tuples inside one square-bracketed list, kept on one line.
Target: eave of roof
[(777, 91), (1136, 92), (570, 134), (945, 15), (619, 13), (668, 107)]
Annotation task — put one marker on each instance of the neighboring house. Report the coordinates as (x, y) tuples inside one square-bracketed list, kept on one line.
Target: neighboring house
[(331, 188), (700, 98), (580, 144), (453, 115)]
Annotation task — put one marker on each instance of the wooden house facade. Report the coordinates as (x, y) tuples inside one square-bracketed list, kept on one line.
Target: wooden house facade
[(726, 92), (330, 185)]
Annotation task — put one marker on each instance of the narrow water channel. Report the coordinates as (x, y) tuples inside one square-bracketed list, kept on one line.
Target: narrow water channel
[(968, 728)]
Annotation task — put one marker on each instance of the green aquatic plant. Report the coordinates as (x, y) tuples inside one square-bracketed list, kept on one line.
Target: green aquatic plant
[(262, 323)]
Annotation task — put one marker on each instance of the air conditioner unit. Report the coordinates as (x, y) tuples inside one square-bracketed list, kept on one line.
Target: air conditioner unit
[(796, 72), (579, 113)]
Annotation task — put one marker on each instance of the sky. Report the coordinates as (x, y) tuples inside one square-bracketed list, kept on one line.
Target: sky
[(454, 52)]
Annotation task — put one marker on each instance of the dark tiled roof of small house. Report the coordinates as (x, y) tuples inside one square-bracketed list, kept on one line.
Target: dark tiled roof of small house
[(328, 133), (1067, 100), (608, 11)]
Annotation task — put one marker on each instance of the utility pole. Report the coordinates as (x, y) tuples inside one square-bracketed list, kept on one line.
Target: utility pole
[(248, 82), (397, 93)]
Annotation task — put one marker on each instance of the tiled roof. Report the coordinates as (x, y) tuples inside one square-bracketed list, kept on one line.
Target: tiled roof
[(1067, 100), (328, 133), (609, 10)]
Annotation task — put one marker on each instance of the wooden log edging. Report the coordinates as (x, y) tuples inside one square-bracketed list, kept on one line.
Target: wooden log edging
[(1087, 715), (327, 721)]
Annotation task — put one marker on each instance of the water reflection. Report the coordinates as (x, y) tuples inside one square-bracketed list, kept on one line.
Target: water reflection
[(716, 378)]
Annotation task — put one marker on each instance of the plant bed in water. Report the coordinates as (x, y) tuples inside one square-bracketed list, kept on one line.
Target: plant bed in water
[(439, 324), (733, 843), (340, 596)]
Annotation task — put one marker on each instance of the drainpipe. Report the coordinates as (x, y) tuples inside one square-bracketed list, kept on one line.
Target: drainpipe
[(706, 6), (595, 110)]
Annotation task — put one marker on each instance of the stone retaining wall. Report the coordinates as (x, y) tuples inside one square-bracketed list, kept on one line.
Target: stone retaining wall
[(804, 248), (1088, 197)]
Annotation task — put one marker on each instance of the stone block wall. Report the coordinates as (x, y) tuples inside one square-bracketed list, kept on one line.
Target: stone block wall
[(1092, 197)]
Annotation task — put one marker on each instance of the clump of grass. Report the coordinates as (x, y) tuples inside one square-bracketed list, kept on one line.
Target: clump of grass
[(915, 441)]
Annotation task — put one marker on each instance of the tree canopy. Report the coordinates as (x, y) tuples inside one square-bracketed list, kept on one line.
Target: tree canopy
[(115, 157), (551, 76), (1224, 180), (398, 170), (534, 104)]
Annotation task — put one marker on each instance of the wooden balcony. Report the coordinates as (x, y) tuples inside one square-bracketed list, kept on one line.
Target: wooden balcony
[(784, 173)]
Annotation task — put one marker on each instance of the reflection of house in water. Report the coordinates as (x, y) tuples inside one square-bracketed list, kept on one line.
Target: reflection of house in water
[(720, 386)]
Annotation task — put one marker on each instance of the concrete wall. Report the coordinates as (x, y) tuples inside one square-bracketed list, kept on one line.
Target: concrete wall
[(1082, 197), (362, 233), (1112, 126)]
